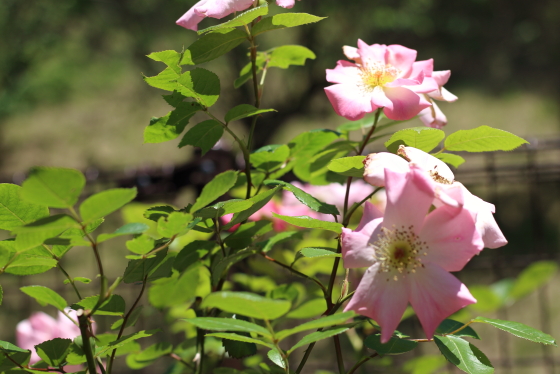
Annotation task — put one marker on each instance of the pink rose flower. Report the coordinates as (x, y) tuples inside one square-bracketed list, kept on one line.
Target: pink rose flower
[(381, 76), (409, 255), (433, 116), (219, 9), (41, 327), (447, 190)]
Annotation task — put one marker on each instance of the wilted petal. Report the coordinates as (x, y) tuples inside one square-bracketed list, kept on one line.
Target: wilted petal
[(435, 167), (435, 295), (382, 299), (409, 197), (451, 237), (376, 163), (406, 104), (433, 117)]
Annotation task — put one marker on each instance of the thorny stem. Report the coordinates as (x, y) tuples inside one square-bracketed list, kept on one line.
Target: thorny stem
[(125, 320), (361, 362), (83, 322), (179, 359), (331, 308), (325, 292)]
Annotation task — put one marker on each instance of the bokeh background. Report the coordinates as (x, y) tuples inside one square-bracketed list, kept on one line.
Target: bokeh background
[(72, 95)]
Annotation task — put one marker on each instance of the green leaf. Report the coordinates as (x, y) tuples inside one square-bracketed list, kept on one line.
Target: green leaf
[(33, 261), (258, 201), (170, 58), (356, 125), (54, 351), (319, 252), (348, 166), (243, 19), (221, 184), (424, 138), (310, 143), (136, 270), (244, 111), (141, 244), (124, 340), (128, 229), (204, 135), (106, 202), (114, 306), (228, 324), (174, 224), (315, 168), (14, 211), (213, 45), (395, 346), (240, 338), (243, 236), (450, 325), (53, 187), (45, 296), (533, 277), (166, 80), (175, 99), (247, 304), (246, 72), (169, 292), (270, 157), (451, 159), (520, 330), (200, 84), (19, 355), (318, 335), (311, 223), (464, 355), (267, 245), (281, 21), (155, 212), (172, 124), (78, 279), (483, 139), (149, 355), (276, 357), (327, 321), (286, 55), (486, 299), (191, 253), (305, 198), (220, 267), (312, 308)]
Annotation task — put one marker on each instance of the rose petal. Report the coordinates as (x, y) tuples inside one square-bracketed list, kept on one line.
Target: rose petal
[(433, 117), (348, 101), (406, 104), (376, 163)]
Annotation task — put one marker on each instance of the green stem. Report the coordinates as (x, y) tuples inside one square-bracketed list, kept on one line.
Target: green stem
[(361, 362), (125, 320), (83, 322), (339, 359)]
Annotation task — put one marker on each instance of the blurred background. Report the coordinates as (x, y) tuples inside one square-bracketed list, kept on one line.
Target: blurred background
[(72, 95)]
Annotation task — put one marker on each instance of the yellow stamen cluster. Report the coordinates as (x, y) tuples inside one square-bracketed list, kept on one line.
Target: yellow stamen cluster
[(377, 74), (398, 252)]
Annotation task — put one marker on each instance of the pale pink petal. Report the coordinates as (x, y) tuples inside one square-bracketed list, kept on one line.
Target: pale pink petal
[(435, 295), (435, 167), (406, 104), (379, 99), (351, 53), (444, 95), (221, 8), (441, 76), (404, 82), (409, 197), (345, 72), (433, 117), (372, 53), (380, 298), (451, 238), (286, 3), (488, 228), (422, 69), (356, 251), (427, 86), (376, 163), (190, 20), (370, 214), (401, 57), (348, 101)]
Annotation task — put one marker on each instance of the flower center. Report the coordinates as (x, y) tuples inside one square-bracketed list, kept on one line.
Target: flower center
[(376, 74), (399, 252)]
